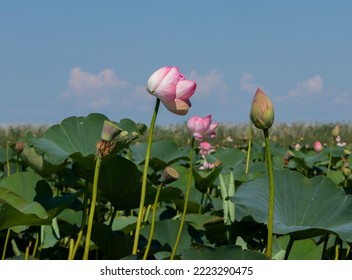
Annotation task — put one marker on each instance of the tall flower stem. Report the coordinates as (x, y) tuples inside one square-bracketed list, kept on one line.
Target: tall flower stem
[(152, 226), (249, 146), (145, 177), (330, 157), (92, 208), (186, 201), (271, 193)]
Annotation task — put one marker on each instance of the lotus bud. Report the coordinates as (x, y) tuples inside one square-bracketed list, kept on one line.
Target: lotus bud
[(19, 146), (262, 110), (336, 131), (346, 171)]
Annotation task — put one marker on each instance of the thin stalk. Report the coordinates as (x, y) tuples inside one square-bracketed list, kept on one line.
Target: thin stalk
[(186, 201), (152, 226), (112, 218), (348, 250), (84, 217), (288, 248), (6, 242), (336, 251), (147, 213), (17, 163), (26, 256), (330, 157), (35, 246), (271, 194), (92, 208), (8, 174), (325, 245), (8, 158), (249, 146), (71, 249), (145, 177)]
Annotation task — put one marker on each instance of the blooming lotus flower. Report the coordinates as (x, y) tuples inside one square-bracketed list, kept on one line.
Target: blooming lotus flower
[(318, 146), (173, 90), (202, 127), (205, 148), (262, 111)]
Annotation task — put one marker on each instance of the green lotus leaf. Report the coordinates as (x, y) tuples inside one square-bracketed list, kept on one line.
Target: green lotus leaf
[(120, 181), (231, 252), (163, 153), (38, 163), (76, 138), (231, 157), (27, 199), (166, 232), (205, 180), (304, 207), (114, 244), (24, 213)]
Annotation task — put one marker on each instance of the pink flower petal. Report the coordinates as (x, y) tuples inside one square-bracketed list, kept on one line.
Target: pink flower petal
[(156, 78), (185, 89), (176, 106)]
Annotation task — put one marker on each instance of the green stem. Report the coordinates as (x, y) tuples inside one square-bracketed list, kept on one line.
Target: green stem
[(249, 146), (186, 201), (330, 158), (92, 208), (6, 242), (84, 217), (271, 194), (145, 177), (152, 226), (8, 158)]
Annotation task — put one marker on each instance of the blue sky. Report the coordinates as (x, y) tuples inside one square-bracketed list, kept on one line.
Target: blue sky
[(70, 58)]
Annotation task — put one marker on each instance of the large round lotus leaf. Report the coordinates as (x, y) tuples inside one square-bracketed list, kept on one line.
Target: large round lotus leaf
[(166, 233), (231, 252), (27, 199), (121, 182), (23, 213), (163, 153), (37, 162), (303, 207), (231, 157), (114, 244), (76, 137)]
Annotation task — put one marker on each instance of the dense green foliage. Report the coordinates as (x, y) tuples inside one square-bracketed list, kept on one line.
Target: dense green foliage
[(46, 183), (228, 134)]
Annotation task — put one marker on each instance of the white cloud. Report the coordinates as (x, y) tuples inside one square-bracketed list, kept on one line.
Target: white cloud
[(209, 83), (247, 83), (344, 99), (307, 88), (93, 91)]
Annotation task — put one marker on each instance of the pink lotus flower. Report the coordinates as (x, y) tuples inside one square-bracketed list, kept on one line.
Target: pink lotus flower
[(318, 146), (173, 90), (202, 127), (205, 148)]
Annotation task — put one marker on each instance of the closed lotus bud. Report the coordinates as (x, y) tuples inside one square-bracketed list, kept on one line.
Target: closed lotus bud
[(336, 131), (346, 171), (19, 147), (262, 110)]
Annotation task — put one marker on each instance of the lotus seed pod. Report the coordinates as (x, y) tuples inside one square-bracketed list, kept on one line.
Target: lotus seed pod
[(169, 175), (262, 110), (110, 131)]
